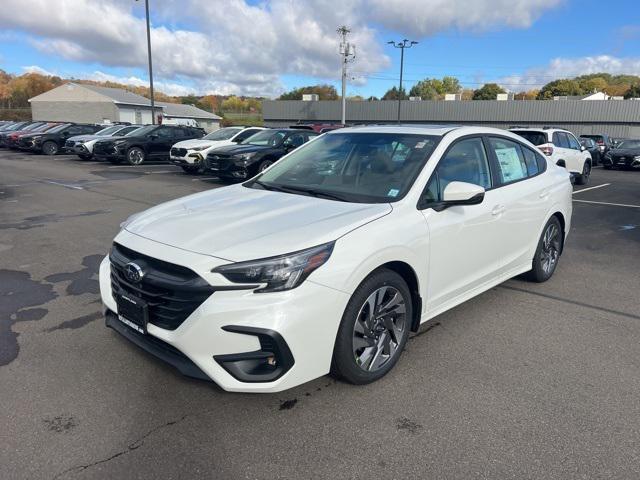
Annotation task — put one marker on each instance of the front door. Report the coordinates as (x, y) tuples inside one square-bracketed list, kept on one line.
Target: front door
[(463, 251)]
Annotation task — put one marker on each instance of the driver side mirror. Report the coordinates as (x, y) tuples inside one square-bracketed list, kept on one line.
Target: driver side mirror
[(153, 136), (461, 193), (582, 148)]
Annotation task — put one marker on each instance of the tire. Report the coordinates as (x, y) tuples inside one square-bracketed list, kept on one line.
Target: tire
[(50, 148), (85, 157), (135, 156), (264, 165), (547, 256), (368, 346), (583, 178)]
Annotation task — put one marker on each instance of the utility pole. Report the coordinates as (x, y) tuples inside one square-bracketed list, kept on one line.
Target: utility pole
[(401, 45), (153, 110), (348, 54)]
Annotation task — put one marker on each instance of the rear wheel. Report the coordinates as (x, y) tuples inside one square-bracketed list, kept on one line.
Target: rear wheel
[(50, 148), (583, 178), (84, 157), (548, 252), (264, 165), (135, 156), (374, 328)]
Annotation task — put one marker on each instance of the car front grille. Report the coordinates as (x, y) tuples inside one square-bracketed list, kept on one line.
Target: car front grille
[(179, 152), (69, 144), (104, 148), (172, 292)]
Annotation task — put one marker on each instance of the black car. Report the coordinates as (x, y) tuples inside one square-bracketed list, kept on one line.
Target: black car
[(52, 141), (626, 155), (256, 153), (152, 142), (23, 127), (592, 147), (604, 142)]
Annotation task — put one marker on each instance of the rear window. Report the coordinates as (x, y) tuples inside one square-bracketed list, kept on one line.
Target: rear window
[(537, 138), (597, 138)]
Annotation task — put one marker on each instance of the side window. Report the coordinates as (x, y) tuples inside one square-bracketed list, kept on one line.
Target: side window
[(531, 159), (75, 130), (295, 140), (511, 162), (164, 132), (573, 143), (466, 161), (244, 134), (562, 140)]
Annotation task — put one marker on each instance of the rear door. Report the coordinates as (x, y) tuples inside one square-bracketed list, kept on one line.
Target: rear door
[(160, 145), (562, 150), (525, 195)]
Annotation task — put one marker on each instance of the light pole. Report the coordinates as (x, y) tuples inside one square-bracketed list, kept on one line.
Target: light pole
[(401, 45), (348, 54), (153, 110)]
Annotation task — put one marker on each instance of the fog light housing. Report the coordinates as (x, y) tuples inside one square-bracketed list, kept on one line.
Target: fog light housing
[(273, 360)]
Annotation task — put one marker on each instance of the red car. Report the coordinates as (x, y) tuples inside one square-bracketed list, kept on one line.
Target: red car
[(29, 127), (14, 137)]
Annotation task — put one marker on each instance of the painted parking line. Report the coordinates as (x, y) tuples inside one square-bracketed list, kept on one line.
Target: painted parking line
[(608, 204), (591, 188), (203, 179)]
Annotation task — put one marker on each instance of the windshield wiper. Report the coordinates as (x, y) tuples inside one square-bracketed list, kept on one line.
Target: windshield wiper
[(301, 190)]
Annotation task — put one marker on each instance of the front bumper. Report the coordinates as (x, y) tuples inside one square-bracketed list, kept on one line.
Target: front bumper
[(627, 161), (185, 157), (233, 328), (228, 167)]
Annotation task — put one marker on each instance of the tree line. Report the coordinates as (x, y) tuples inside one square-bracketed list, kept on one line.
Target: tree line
[(627, 86), (16, 90)]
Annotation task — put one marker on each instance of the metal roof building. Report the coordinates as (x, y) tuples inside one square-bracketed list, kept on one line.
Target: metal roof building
[(617, 118), (78, 102)]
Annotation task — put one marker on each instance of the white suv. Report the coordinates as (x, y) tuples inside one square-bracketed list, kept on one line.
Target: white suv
[(327, 260), (189, 154), (563, 148)]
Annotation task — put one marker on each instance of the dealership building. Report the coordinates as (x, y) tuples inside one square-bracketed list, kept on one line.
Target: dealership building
[(80, 103), (617, 118)]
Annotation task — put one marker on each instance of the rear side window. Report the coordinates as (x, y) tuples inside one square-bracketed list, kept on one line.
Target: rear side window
[(511, 160), (531, 160), (537, 138)]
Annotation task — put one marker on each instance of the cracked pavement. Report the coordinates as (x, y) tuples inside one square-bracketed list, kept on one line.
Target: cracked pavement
[(524, 381)]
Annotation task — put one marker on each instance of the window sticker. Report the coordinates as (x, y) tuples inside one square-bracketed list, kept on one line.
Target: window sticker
[(510, 164), (393, 193), (420, 144)]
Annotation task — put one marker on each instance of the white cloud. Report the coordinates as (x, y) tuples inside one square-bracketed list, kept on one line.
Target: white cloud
[(231, 46), (568, 68), (170, 88), (37, 69)]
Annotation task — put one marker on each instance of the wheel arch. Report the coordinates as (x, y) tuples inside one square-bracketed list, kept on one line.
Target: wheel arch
[(409, 275)]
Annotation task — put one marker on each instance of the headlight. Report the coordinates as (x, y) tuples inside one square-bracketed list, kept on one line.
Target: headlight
[(245, 156), (37, 138), (637, 158), (278, 273), (198, 149), (129, 219)]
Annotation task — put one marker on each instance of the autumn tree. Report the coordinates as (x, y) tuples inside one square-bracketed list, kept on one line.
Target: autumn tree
[(395, 94), (560, 88)]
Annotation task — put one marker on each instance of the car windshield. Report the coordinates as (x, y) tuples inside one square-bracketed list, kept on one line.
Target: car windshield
[(352, 167), (629, 144), (272, 138), (32, 127), (222, 134), (108, 131), (537, 138), (42, 128), (142, 131)]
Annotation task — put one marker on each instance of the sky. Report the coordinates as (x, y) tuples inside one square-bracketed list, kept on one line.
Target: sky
[(263, 48)]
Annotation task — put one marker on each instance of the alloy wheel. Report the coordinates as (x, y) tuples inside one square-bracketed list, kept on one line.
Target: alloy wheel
[(264, 165), (550, 249), (136, 156), (379, 328)]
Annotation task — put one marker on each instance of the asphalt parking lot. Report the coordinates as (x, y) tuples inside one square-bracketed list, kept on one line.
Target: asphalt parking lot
[(524, 381)]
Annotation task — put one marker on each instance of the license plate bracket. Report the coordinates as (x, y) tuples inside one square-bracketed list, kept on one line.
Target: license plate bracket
[(133, 311)]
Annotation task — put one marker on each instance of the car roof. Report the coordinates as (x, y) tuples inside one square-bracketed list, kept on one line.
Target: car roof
[(437, 130)]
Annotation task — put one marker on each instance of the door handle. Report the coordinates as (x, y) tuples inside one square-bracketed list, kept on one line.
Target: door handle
[(498, 210)]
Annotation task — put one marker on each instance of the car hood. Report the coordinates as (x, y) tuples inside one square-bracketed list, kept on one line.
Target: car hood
[(625, 152), (238, 149), (237, 223), (197, 142), (84, 138)]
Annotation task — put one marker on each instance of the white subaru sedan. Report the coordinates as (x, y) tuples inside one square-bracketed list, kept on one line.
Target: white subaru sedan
[(326, 261)]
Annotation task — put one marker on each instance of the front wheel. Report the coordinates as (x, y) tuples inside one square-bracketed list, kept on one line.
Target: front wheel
[(548, 252), (84, 157), (50, 148), (264, 165), (191, 169), (135, 156), (374, 328), (583, 178)]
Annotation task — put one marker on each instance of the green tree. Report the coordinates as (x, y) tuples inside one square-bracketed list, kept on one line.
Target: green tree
[(488, 91), (560, 88), (433, 88), (633, 92), (324, 92), (395, 94)]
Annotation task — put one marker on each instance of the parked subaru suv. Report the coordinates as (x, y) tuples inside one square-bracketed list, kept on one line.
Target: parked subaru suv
[(52, 141), (82, 145), (152, 142), (328, 259), (563, 148), (190, 154)]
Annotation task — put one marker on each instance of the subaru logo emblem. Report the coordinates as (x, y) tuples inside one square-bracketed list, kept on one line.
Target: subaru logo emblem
[(133, 272)]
